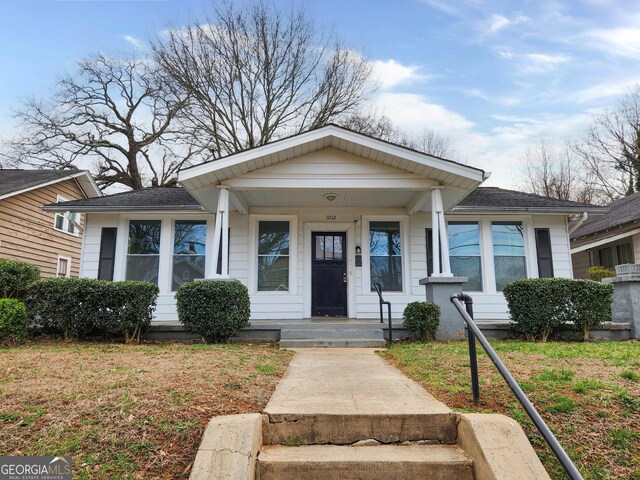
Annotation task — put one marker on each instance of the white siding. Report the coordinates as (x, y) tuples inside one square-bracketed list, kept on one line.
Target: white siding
[(489, 305), (636, 248)]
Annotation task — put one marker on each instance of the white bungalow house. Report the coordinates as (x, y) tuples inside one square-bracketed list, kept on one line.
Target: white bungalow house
[(311, 222)]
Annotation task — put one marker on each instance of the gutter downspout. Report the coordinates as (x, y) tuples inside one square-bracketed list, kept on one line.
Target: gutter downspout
[(579, 223)]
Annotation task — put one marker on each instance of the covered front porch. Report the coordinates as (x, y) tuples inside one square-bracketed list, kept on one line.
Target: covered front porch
[(315, 220)]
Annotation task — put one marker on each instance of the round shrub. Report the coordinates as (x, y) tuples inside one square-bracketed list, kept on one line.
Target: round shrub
[(597, 273), (213, 309), (16, 277), (13, 321), (422, 319)]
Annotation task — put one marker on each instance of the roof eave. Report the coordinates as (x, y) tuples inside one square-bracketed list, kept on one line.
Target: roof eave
[(56, 207), (555, 210)]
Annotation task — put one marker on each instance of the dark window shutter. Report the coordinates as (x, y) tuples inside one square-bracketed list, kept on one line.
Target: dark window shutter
[(543, 249), (428, 232), (429, 237), (219, 262), (107, 253)]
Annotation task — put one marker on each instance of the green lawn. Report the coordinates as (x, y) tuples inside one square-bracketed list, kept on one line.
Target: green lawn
[(124, 411), (588, 393)]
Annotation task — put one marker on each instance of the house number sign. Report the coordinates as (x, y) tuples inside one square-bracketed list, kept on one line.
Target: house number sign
[(330, 217)]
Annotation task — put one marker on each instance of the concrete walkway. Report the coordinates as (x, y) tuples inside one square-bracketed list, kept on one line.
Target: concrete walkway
[(340, 396), (348, 381)]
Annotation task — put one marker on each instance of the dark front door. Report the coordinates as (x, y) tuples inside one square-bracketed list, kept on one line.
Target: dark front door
[(328, 274)]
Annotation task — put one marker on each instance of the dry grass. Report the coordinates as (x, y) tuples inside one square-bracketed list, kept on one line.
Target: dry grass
[(127, 411), (589, 394)]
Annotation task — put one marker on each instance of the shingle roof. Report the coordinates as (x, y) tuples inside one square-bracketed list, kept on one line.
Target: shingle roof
[(177, 198), (15, 180), (622, 211), (499, 199), (154, 198)]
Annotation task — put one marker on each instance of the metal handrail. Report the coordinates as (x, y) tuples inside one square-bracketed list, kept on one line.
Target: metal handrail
[(378, 288), (473, 333)]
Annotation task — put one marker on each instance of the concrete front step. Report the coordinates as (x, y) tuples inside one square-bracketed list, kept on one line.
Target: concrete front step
[(384, 462), (346, 429), (337, 332), (332, 342)]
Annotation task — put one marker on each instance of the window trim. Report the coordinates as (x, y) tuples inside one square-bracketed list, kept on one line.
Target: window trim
[(253, 253), (366, 253), (68, 260), (160, 245), (207, 236), (526, 246), (480, 248), (65, 219)]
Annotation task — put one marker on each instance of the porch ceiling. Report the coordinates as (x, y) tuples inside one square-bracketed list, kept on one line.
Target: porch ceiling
[(418, 200)]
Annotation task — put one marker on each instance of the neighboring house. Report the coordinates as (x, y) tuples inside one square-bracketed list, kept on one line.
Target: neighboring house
[(609, 240), (312, 221), (51, 241)]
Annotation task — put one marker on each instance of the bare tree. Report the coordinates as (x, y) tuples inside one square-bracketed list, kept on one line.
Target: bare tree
[(611, 147), (382, 127), (115, 113), (256, 73), (557, 172)]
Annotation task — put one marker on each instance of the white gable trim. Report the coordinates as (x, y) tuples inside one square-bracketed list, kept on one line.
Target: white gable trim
[(329, 132)]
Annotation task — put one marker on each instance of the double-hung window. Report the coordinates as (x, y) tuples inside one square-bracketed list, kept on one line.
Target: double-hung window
[(143, 253), (64, 222), (508, 252), (273, 256), (464, 253), (385, 252), (189, 251)]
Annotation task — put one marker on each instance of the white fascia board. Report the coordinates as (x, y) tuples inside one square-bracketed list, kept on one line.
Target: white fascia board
[(91, 184), (331, 130), (604, 241)]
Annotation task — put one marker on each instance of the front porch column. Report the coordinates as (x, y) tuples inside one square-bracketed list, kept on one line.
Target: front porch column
[(439, 235), (221, 225)]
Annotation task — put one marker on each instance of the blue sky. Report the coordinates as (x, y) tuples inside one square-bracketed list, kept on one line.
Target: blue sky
[(492, 75)]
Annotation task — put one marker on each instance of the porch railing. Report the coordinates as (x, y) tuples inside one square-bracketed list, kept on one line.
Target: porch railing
[(473, 333), (378, 288)]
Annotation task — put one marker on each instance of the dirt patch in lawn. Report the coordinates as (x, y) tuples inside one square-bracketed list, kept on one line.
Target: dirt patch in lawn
[(127, 411), (589, 394)]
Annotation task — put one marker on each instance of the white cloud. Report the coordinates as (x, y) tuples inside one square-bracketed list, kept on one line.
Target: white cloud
[(389, 73), (529, 63), (133, 41), (605, 90), (624, 41), (496, 23)]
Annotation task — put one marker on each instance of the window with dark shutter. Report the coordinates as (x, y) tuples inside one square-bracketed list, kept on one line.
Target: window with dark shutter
[(107, 253), (543, 249)]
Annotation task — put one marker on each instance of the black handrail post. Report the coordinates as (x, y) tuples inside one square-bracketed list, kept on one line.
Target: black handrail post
[(473, 356), (535, 417), (378, 288)]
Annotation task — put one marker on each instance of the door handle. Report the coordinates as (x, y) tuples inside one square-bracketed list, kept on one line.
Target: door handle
[(344, 278)]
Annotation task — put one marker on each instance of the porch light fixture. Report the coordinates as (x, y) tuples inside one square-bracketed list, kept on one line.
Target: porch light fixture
[(330, 196)]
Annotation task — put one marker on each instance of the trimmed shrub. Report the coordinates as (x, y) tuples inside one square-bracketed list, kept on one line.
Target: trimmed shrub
[(422, 319), (591, 302), (597, 273), (13, 321), (16, 277), (540, 306), (81, 307), (213, 309)]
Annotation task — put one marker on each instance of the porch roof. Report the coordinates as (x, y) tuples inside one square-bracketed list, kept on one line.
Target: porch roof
[(482, 200), (410, 174)]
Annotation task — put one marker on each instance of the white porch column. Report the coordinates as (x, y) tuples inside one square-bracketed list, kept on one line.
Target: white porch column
[(435, 235), (444, 236), (221, 225)]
